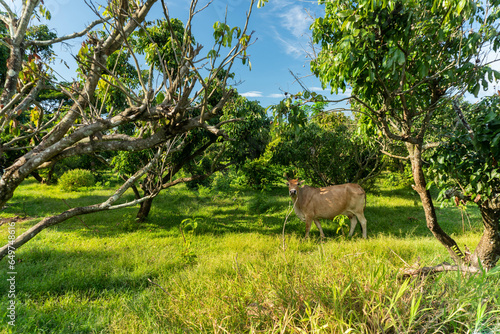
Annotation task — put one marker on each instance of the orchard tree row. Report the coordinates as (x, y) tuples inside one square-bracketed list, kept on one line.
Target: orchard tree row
[(175, 119)]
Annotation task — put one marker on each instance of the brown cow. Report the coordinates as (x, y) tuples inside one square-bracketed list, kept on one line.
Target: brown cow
[(311, 204)]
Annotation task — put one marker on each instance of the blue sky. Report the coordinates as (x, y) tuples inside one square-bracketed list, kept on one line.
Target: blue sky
[(281, 40)]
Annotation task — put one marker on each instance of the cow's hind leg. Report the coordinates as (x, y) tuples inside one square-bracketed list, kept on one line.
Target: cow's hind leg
[(362, 221), (318, 225), (354, 222)]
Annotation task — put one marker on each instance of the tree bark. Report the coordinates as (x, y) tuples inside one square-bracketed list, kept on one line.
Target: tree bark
[(488, 248), (144, 210), (420, 187)]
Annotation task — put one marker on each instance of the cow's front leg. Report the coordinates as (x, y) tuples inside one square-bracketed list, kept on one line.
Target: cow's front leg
[(318, 225), (308, 226)]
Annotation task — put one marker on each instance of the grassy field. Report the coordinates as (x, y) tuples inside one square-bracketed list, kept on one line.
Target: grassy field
[(218, 262)]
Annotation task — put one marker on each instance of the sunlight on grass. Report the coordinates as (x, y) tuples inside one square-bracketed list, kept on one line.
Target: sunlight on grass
[(233, 272)]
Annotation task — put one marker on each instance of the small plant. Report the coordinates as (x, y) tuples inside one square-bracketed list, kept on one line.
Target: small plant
[(76, 179), (189, 225), (342, 221), (204, 191)]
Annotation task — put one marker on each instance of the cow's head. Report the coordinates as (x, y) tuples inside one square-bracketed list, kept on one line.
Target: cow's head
[(293, 186)]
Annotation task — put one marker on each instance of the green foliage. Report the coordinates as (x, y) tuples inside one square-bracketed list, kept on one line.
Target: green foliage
[(400, 176), (76, 179), (4, 54), (261, 173), (76, 162), (324, 150), (252, 133), (126, 162), (249, 136), (226, 36), (404, 42), (40, 33), (222, 181), (160, 43), (108, 87), (401, 59), (471, 164)]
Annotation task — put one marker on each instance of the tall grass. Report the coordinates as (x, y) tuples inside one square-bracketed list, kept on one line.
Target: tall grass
[(211, 262)]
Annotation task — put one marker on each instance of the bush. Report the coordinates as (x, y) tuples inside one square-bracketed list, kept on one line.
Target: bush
[(261, 173), (76, 179)]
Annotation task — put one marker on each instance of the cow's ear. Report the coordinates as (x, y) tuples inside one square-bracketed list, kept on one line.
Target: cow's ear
[(299, 183)]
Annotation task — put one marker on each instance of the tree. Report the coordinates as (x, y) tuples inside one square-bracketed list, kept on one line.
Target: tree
[(325, 149), (466, 168), (201, 153), (161, 114), (404, 61)]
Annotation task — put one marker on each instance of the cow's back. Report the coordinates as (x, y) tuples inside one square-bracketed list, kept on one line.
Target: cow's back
[(329, 202)]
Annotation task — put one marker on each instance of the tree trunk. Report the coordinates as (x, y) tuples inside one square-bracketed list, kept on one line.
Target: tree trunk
[(143, 212), (488, 248), (420, 187)]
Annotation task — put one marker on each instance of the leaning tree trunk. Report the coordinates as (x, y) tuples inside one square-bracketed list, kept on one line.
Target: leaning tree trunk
[(420, 187), (488, 248), (144, 210)]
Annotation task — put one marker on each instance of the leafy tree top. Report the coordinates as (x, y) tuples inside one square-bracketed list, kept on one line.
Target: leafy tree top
[(160, 43), (470, 159), (401, 57)]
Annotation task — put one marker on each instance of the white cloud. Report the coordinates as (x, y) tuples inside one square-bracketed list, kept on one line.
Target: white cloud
[(290, 26), (252, 93), (291, 47), (277, 95), (296, 21)]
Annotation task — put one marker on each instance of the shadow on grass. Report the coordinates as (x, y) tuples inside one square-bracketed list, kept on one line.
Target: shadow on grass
[(88, 271), (235, 211)]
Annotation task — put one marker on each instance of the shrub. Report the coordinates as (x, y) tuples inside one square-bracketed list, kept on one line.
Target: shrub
[(76, 179)]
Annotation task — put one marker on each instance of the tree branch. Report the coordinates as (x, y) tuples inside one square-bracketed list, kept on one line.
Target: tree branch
[(425, 271), (67, 37)]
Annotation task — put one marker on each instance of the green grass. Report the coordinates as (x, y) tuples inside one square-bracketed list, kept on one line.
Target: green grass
[(217, 263)]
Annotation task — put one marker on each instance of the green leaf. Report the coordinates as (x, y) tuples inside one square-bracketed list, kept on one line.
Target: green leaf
[(400, 57), (475, 90), (261, 3), (160, 97), (491, 116)]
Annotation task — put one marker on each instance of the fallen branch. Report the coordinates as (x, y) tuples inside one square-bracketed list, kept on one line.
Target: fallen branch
[(443, 267)]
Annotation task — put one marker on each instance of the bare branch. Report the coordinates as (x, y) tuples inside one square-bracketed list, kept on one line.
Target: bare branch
[(461, 116), (67, 37), (425, 271)]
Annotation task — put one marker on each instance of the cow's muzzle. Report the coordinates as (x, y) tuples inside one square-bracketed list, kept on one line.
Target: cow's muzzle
[(293, 192)]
